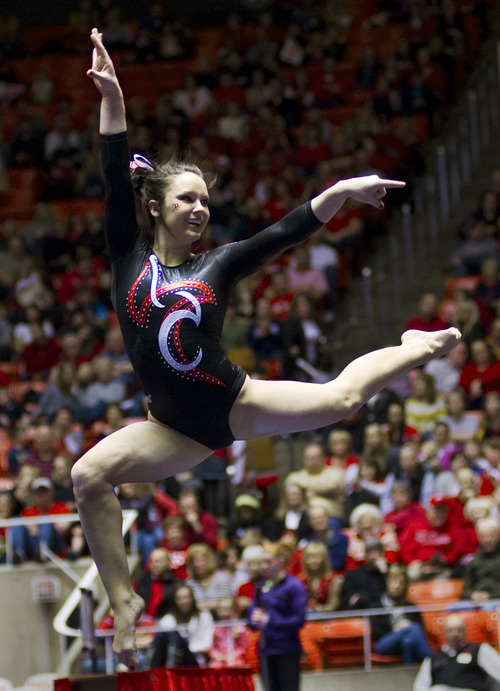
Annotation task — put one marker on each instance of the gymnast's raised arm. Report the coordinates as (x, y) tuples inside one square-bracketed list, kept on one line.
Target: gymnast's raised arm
[(112, 118)]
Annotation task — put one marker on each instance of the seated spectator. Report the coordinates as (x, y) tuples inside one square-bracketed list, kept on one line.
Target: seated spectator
[(265, 337), (447, 370), (467, 317), (305, 340), (397, 429), (43, 450), (367, 525), (481, 573), (230, 563), (425, 406), (322, 584), (481, 375), (41, 355), (488, 424), (339, 447), (305, 278), (67, 434), (436, 451), (430, 546), (105, 389), (199, 526), (190, 646), (292, 510), (427, 318), (398, 633), (61, 479), (462, 424), (252, 558), (156, 584), (29, 540), (320, 480), (366, 487), (493, 338), (6, 511), (445, 668), (466, 260), (327, 529), (363, 586), (114, 349), (22, 492), (207, 581), (279, 295), (139, 497), (175, 542), (230, 643), (489, 478), (250, 518), (404, 508)]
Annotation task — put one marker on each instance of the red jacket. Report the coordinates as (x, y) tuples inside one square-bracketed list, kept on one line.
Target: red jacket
[(421, 541)]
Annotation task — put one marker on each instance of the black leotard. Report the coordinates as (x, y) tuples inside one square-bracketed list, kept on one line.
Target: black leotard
[(171, 317)]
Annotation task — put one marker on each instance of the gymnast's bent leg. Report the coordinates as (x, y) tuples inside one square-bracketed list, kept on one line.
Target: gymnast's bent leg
[(265, 408), (141, 452)]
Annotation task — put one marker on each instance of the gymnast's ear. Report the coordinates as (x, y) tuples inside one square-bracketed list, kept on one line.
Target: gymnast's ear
[(153, 207)]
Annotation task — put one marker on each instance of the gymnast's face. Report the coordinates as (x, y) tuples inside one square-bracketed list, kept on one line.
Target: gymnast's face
[(183, 215)]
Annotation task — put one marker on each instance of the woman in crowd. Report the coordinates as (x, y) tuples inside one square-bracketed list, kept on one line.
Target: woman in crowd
[(187, 636), (209, 584), (322, 585)]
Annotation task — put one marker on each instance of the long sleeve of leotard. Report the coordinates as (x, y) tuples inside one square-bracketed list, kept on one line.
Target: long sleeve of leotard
[(120, 225), (248, 256)]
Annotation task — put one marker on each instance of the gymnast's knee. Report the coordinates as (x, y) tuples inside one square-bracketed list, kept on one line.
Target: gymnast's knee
[(348, 398), (87, 476)]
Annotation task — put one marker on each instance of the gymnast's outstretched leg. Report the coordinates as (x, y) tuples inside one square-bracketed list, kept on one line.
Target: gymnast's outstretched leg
[(141, 452), (265, 408)]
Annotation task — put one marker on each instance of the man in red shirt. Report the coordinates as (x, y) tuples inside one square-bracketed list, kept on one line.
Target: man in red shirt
[(28, 540), (430, 545), (199, 526), (427, 318)]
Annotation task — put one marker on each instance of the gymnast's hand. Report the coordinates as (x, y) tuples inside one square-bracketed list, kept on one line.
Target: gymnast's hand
[(370, 189), (102, 70)]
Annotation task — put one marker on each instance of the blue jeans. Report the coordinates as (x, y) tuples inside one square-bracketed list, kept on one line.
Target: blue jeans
[(28, 547), (409, 642)]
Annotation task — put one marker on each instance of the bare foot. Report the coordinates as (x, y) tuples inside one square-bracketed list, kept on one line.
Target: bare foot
[(126, 618), (433, 344)]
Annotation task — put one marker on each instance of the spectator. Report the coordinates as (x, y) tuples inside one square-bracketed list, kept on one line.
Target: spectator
[(207, 582), (466, 260), (189, 646), (327, 529), (447, 370), (292, 510), (30, 540), (62, 482), (199, 526), (363, 586), (139, 497), (61, 392), (304, 278), (399, 633), (480, 574), (396, 428), (323, 586), (458, 662), (481, 375), (278, 612), (305, 340), (230, 563), (339, 446), (250, 518), (489, 421), (157, 585), (230, 643), (462, 425), (252, 558), (107, 388), (320, 480), (425, 406), (367, 525), (430, 546), (427, 318), (43, 450), (265, 337), (174, 541), (68, 435), (404, 507)]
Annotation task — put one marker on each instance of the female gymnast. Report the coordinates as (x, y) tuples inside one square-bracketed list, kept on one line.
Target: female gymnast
[(171, 305)]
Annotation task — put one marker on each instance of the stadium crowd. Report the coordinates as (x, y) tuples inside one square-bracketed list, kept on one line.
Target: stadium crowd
[(407, 489)]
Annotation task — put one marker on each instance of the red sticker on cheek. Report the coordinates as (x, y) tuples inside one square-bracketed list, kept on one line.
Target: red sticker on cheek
[(175, 206)]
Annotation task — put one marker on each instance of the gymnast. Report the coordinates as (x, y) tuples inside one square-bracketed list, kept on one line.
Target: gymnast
[(171, 305)]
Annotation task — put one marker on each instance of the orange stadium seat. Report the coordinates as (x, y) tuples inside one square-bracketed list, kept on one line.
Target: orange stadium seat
[(341, 643), (439, 591)]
